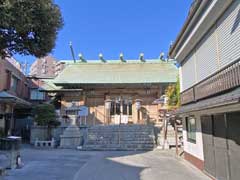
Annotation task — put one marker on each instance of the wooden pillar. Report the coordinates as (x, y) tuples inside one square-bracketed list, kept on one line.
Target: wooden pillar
[(176, 135)]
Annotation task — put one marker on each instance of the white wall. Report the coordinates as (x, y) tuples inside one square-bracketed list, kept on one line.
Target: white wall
[(195, 149), (218, 48)]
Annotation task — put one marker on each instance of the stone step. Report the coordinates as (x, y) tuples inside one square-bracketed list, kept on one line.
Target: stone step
[(122, 142), (120, 135), (130, 132), (117, 147), (110, 132), (120, 145), (123, 137), (123, 126), (119, 129)]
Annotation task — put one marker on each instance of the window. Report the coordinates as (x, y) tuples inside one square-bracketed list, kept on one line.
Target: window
[(14, 82), (112, 110), (125, 106), (191, 129), (37, 95), (118, 108), (130, 108)]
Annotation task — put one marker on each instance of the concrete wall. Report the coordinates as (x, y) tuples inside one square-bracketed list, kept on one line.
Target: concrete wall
[(41, 132), (38, 132)]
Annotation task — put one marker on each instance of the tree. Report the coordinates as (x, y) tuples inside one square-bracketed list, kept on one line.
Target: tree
[(45, 115), (173, 94), (28, 27)]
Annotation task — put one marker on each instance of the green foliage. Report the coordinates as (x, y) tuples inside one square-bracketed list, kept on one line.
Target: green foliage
[(45, 115), (173, 94), (28, 27)]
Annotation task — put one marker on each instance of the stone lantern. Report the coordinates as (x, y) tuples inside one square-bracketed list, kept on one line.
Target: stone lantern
[(138, 104), (108, 104), (71, 137), (138, 107)]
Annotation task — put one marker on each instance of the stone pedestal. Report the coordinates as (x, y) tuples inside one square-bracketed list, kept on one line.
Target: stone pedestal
[(71, 137)]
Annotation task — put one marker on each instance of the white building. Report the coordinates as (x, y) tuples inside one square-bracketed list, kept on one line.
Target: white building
[(208, 51)]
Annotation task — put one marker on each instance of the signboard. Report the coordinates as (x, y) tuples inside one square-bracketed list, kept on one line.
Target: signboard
[(83, 111)]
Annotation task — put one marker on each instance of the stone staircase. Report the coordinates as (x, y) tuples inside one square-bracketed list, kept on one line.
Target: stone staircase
[(171, 137), (120, 138)]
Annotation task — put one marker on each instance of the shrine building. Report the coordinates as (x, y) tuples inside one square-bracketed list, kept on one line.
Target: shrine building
[(112, 91)]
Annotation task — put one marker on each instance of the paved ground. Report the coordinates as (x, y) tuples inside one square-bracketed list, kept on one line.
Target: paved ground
[(76, 165)]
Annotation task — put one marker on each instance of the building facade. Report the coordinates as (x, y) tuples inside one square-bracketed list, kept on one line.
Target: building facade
[(208, 51), (60, 65), (14, 93), (114, 92), (43, 67), (36, 95)]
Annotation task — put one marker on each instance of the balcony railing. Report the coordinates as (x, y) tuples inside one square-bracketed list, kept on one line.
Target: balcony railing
[(187, 96), (221, 81)]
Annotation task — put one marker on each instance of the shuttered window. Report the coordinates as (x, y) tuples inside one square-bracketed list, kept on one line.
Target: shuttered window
[(206, 56), (188, 73), (228, 30)]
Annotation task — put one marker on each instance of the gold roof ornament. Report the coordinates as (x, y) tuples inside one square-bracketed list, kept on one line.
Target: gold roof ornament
[(141, 57), (161, 57), (121, 57), (81, 58), (101, 57)]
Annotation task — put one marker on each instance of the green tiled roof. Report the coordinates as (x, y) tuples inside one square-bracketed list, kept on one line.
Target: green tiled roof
[(117, 72), (49, 85)]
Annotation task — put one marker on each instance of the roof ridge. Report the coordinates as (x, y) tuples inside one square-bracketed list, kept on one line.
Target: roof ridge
[(124, 63)]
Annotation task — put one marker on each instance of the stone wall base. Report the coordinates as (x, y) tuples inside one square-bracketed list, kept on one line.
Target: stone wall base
[(194, 160)]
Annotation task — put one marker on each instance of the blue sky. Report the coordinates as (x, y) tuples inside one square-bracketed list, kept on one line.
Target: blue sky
[(114, 26)]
